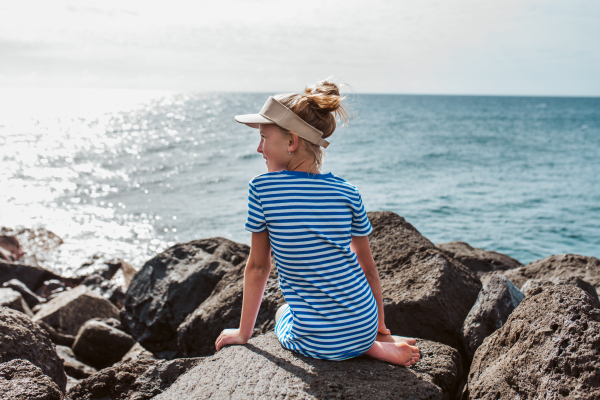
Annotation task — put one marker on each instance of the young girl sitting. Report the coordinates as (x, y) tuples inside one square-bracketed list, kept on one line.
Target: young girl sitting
[(317, 227)]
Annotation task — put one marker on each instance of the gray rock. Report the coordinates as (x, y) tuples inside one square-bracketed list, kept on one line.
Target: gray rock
[(549, 348), (264, 369), (105, 288), (479, 261), (533, 284), (101, 345), (20, 338), (13, 299), (30, 298), (21, 380), (73, 367), (426, 293), (496, 301), (172, 285), (558, 266), (70, 309), (137, 379), (56, 337), (137, 351)]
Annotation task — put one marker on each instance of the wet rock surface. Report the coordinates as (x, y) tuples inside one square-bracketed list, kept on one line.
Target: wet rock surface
[(264, 369), (73, 367), (20, 338), (172, 285), (479, 261), (21, 380), (137, 379), (496, 301), (558, 266), (549, 348), (426, 293), (13, 299), (100, 344), (71, 309)]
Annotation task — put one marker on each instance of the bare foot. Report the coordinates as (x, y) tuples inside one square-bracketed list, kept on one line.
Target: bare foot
[(394, 353), (395, 339)]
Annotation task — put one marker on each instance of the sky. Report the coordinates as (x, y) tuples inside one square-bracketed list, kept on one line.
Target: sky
[(492, 47)]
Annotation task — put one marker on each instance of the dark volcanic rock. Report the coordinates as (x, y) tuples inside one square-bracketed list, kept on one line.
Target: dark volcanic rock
[(496, 300), (73, 367), (264, 369), (21, 380), (100, 344), (31, 276), (137, 379), (56, 337), (533, 284), (30, 298), (549, 348), (479, 261), (137, 351), (22, 338), (223, 309), (558, 266), (69, 310), (172, 285), (13, 299), (426, 293), (105, 288)]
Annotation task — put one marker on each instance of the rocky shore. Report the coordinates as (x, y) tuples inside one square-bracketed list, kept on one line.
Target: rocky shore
[(488, 327)]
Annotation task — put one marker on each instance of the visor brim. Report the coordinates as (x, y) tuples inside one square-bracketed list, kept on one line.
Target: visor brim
[(253, 120)]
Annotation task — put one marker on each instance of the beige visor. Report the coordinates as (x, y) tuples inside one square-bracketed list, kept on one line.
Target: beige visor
[(273, 112)]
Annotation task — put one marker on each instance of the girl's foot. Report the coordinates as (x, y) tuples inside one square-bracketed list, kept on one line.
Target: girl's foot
[(395, 339), (394, 353)]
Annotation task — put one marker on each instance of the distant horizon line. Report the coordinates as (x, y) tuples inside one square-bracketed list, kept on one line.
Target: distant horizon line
[(285, 91)]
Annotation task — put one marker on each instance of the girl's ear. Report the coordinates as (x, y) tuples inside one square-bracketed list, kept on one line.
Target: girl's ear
[(294, 142)]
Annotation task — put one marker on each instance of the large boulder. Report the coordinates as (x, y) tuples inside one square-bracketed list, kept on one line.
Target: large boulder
[(30, 298), (136, 379), (73, 367), (172, 285), (69, 310), (558, 266), (479, 261), (100, 344), (24, 339), (13, 299), (533, 284), (21, 380), (549, 348), (223, 309), (426, 293), (264, 369), (496, 300)]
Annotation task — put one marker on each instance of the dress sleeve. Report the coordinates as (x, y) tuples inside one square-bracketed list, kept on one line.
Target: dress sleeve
[(360, 223), (256, 217)]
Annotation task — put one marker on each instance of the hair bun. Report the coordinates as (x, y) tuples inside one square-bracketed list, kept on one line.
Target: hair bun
[(324, 95)]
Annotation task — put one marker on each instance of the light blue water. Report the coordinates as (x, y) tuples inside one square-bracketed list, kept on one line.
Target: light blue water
[(518, 175)]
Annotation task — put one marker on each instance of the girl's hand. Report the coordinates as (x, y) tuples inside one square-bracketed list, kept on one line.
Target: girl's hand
[(230, 336), (383, 330)]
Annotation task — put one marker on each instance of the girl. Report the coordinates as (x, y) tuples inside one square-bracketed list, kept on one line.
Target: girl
[(317, 227)]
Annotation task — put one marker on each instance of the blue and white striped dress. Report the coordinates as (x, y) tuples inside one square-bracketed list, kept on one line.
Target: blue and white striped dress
[(311, 219)]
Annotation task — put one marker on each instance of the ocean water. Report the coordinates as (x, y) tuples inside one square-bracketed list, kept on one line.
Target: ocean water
[(129, 173)]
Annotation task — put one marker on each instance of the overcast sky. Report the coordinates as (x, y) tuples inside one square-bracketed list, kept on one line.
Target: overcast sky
[(506, 47)]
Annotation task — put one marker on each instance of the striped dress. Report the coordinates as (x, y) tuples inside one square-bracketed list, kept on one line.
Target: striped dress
[(331, 312)]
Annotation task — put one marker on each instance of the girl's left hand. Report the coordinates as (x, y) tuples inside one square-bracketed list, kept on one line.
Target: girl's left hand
[(383, 330), (229, 336)]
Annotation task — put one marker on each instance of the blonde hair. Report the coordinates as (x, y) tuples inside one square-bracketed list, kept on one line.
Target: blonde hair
[(320, 106)]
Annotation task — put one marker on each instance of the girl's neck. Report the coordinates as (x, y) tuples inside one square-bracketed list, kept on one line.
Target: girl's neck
[(302, 166)]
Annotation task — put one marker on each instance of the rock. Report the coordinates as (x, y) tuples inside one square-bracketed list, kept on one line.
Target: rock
[(496, 300), (136, 379), (264, 369), (128, 273), (558, 266), (69, 310), (31, 276), (172, 285), (223, 309), (549, 348), (21, 380), (73, 367), (101, 345), (426, 293), (35, 240), (51, 288), (22, 338), (137, 351), (13, 299), (30, 298), (479, 261), (533, 284), (100, 265), (71, 382), (56, 337), (105, 288)]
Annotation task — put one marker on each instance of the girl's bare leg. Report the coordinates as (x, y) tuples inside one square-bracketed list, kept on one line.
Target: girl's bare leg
[(395, 339), (394, 353)]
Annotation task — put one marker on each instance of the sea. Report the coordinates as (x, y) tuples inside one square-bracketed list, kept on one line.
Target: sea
[(129, 173)]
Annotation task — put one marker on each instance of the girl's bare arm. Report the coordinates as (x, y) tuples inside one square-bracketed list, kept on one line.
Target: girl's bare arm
[(360, 247), (256, 274)]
